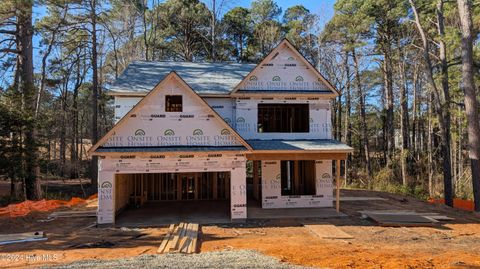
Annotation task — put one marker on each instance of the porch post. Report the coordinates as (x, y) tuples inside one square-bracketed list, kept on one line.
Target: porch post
[(255, 180), (337, 176)]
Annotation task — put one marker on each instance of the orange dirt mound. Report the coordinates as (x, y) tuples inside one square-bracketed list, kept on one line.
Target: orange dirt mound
[(457, 203), (26, 207)]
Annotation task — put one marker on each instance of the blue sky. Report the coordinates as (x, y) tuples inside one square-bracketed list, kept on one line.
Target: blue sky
[(323, 8)]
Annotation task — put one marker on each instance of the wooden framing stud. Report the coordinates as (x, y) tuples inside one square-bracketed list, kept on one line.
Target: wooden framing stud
[(337, 181)]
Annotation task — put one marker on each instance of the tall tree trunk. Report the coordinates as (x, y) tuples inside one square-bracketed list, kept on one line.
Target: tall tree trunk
[(25, 60), (214, 30), (94, 162), (471, 101), (339, 117), (431, 190), (404, 124), (389, 120), (348, 105), (363, 118), (442, 99), (145, 28)]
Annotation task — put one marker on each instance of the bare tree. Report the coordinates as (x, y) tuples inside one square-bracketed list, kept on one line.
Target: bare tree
[(471, 102), (442, 99)]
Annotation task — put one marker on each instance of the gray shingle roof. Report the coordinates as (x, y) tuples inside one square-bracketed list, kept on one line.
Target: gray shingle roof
[(321, 144), (204, 78)]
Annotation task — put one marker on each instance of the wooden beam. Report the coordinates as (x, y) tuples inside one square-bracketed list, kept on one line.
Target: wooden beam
[(197, 187), (337, 175), (179, 185), (296, 178), (255, 180), (215, 185)]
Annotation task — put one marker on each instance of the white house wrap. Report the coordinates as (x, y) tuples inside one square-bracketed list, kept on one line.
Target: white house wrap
[(185, 131)]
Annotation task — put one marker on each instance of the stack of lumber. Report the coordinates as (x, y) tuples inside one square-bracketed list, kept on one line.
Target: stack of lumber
[(180, 238), (21, 237), (73, 214), (403, 217)]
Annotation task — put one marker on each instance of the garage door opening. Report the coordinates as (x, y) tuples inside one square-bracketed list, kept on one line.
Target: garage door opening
[(163, 198)]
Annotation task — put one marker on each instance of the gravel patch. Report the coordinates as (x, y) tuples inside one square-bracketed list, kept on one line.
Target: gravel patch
[(218, 259)]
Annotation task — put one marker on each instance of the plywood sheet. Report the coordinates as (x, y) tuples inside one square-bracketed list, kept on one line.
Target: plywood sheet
[(327, 231), (401, 220)]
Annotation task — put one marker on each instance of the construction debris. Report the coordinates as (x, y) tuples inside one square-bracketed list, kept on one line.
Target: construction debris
[(180, 238), (327, 231), (21, 237), (73, 214)]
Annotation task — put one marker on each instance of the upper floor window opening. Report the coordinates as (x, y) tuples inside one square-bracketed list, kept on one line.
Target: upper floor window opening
[(283, 118), (173, 103)]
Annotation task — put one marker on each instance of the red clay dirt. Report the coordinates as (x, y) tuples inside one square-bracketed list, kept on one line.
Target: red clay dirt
[(453, 244)]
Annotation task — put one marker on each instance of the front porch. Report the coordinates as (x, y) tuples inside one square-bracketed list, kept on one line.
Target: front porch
[(298, 173)]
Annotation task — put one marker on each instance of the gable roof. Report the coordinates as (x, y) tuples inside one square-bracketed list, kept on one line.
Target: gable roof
[(204, 78), (273, 54), (158, 87)]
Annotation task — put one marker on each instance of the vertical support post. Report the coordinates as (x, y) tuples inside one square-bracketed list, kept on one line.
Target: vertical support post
[(256, 184), (179, 178), (197, 187), (296, 178), (215, 185), (337, 180)]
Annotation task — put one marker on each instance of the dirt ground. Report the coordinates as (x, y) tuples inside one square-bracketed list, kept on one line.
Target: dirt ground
[(453, 244)]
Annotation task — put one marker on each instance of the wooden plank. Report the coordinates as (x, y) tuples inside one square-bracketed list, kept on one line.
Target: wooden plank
[(73, 214), (357, 199), (296, 177), (398, 220), (20, 236), (179, 185), (215, 186), (166, 238), (188, 238), (170, 241), (196, 182), (255, 180), (193, 246), (176, 236), (23, 240), (327, 231), (337, 191)]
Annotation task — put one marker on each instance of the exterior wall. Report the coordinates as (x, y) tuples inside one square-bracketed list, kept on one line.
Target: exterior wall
[(247, 119), (223, 106), (271, 187), (123, 105), (152, 126), (109, 167), (284, 71)]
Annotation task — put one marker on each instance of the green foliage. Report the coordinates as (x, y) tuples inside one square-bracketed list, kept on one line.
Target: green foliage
[(238, 26), (265, 10)]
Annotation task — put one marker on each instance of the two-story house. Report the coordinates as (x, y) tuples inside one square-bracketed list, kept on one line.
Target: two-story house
[(185, 131)]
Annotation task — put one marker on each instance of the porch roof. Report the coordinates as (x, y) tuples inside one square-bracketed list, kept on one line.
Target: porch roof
[(329, 145)]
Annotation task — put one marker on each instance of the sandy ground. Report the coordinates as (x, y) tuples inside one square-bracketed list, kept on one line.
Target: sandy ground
[(454, 244)]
